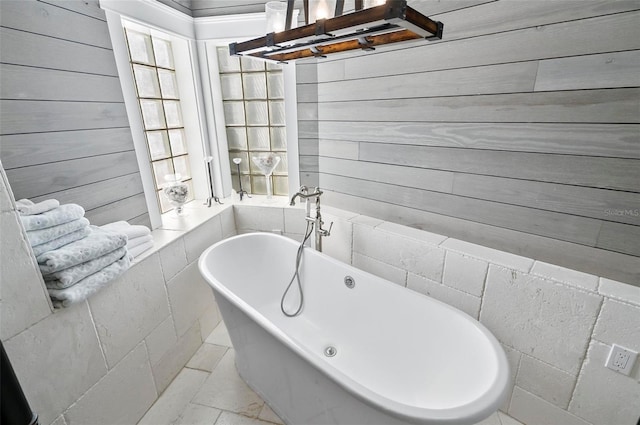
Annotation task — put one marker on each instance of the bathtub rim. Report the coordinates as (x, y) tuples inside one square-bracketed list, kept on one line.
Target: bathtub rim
[(472, 412)]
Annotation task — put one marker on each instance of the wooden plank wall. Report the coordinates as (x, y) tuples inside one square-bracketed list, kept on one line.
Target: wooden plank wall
[(201, 8), (307, 79), (519, 131), (64, 131)]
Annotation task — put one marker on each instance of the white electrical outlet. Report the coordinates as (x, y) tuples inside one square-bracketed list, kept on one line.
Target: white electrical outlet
[(621, 359)]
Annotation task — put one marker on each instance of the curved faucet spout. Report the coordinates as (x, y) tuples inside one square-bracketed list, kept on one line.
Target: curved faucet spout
[(302, 193)]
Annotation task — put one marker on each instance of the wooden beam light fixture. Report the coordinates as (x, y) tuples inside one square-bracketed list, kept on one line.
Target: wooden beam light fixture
[(391, 22)]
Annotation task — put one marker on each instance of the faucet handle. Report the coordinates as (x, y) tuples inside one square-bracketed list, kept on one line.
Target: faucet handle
[(325, 232)]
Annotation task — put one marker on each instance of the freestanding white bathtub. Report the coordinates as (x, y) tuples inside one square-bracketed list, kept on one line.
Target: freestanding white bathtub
[(399, 357)]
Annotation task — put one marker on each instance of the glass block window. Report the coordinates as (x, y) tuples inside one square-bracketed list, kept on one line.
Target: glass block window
[(157, 90), (253, 99)]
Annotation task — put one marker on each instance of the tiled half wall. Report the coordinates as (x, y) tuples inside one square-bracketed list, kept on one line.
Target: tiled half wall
[(107, 359)]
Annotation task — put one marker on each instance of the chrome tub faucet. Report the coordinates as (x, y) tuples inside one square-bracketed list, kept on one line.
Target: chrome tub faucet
[(319, 232)]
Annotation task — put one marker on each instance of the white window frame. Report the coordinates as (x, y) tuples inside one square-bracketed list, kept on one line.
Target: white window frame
[(191, 137), (168, 22), (200, 93)]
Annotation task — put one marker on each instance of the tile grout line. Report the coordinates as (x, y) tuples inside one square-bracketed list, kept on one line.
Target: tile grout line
[(586, 352), (199, 387), (515, 380), (499, 418), (66, 409), (485, 284), (550, 365), (153, 378), (553, 405), (95, 329), (352, 243)]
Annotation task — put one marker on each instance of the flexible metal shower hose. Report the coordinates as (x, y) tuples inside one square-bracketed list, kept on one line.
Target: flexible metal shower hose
[(296, 275)]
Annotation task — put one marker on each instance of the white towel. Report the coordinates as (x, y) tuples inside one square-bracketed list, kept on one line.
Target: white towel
[(98, 243), (27, 207), (38, 237), (89, 285), (131, 230), (137, 250), (61, 241), (63, 214), (139, 241), (69, 276)]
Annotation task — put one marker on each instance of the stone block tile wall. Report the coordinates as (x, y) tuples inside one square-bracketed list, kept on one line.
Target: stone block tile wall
[(106, 360), (556, 325), (287, 221)]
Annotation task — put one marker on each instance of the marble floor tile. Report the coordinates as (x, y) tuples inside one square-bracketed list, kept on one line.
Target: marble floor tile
[(207, 357), (491, 420), (228, 418), (174, 399), (219, 336), (507, 420), (197, 414), (224, 389), (266, 414)]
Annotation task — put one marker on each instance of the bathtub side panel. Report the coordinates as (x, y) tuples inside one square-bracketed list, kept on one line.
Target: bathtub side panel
[(294, 389)]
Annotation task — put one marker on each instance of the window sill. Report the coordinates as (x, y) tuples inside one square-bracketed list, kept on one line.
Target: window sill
[(197, 213)]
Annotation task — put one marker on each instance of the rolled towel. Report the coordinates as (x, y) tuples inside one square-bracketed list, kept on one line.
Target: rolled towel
[(131, 230), (38, 237), (28, 207), (137, 250), (132, 243), (62, 214), (65, 278), (89, 285), (98, 243), (61, 241)]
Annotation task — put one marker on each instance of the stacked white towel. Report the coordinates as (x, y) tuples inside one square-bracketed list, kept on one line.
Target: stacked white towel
[(77, 270), (50, 225), (75, 259), (139, 237), (28, 207)]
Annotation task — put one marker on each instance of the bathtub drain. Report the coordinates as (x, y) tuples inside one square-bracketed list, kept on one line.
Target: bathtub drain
[(350, 282), (330, 351)]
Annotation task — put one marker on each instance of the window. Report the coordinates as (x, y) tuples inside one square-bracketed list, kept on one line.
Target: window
[(154, 48), (152, 63), (253, 100)]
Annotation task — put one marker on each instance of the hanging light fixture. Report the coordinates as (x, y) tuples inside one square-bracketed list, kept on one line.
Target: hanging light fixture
[(365, 28)]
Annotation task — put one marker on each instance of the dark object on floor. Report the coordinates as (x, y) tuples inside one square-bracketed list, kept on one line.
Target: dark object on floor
[(15, 407)]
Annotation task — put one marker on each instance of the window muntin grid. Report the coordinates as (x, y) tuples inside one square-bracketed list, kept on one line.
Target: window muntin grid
[(154, 76), (253, 100)]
